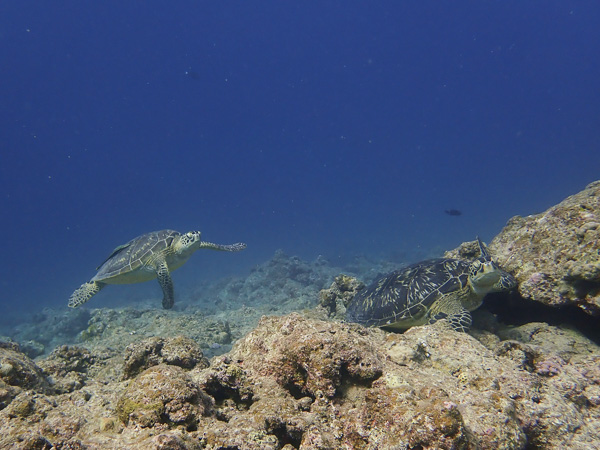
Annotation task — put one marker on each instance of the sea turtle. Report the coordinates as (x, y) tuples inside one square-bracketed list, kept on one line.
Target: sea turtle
[(149, 256), (428, 291)]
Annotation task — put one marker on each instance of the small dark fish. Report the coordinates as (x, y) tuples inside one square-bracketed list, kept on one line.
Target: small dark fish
[(453, 212)]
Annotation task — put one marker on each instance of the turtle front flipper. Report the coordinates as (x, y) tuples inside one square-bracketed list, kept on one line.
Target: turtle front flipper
[(224, 248), (459, 320), (450, 308), (166, 283), (84, 293)]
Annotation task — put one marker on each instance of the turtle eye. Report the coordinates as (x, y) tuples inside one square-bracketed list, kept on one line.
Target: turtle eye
[(476, 267)]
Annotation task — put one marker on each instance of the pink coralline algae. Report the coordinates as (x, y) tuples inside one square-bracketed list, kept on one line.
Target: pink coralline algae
[(536, 278)]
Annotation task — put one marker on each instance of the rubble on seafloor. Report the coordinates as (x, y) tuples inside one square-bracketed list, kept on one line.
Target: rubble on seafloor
[(221, 377)]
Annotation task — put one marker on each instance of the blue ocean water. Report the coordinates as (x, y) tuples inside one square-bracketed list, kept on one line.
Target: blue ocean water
[(321, 128)]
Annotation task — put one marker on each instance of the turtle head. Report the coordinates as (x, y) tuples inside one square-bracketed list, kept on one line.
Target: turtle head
[(187, 242), (485, 276)]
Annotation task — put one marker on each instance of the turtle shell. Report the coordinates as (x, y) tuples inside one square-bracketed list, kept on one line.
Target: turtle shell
[(126, 260), (402, 298)]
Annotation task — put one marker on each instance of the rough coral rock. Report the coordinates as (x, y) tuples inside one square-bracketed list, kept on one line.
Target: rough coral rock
[(66, 367), (17, 373), (335, 299), (555, 255), (321, 385), (295, 382)]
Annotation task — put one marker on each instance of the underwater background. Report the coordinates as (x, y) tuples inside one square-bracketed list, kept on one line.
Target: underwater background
[(333, 128)]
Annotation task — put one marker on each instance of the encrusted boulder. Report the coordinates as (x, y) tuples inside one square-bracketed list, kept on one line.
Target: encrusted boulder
[(177, 351), (17, 373), (310, 358), (555, 255), (67, 367), (163, 394)]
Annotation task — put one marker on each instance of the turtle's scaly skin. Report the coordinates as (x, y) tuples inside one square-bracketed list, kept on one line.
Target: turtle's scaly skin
[(428, 291), (149, 256)]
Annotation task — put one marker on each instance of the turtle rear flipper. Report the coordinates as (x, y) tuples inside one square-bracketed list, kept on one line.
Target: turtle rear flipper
[(84, 293)]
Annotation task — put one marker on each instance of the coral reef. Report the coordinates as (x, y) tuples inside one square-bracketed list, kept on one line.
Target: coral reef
[(139, 378), (67, 367), (295, 382)]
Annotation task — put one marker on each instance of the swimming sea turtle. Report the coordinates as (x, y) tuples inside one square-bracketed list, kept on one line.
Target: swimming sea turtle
[(428, 291), (149, 256)]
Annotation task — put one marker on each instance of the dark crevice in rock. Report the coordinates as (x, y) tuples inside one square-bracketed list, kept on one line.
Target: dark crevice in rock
[(295, 389), (533, 433), (296, 384), (515, 310), (226, 399), (222, 416), (225, 393), (347, 379), (297, 392), (586, 288), (283, 434)]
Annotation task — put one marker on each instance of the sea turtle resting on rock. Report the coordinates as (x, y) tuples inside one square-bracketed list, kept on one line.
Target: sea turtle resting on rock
[(149, 256), (428, 291)]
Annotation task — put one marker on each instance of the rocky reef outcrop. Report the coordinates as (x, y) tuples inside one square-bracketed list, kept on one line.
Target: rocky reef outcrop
[(18, 373), (555, 255)]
